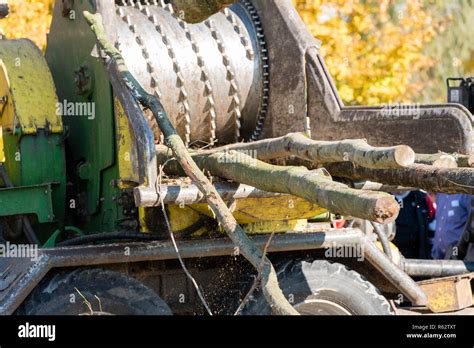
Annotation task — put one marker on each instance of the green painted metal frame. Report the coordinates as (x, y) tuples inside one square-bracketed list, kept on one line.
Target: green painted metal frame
[(35, 199), (92, 143)]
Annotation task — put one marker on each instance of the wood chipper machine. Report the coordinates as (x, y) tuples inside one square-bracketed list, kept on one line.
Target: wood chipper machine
[(94, 206)]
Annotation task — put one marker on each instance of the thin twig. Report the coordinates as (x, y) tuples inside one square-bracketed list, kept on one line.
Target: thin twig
[(257, 279), (86, 302), (175, 245)]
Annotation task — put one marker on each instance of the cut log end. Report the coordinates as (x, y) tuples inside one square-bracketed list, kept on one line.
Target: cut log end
[(386, 210), (404, 155)]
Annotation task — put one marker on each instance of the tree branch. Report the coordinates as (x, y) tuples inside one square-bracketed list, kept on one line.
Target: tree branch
[(299, 145), (429, 178), (445, 159), (249, 250), (439, 160), (315, 186)]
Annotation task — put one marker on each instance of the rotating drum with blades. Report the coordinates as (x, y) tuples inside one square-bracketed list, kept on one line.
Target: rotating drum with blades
[(212, 77)]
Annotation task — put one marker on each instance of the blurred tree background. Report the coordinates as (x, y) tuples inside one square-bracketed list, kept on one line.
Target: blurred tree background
[(378, 51), (381, 51), (28, 18)]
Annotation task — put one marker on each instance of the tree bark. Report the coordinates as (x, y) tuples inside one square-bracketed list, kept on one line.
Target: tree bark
[(375, 186), (439, 160), (315, 186), (299, 145), (429, 178), (462, 161)]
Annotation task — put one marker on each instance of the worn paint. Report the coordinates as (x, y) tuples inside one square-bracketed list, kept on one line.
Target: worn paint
[(27, 83), (448, 294), (126, 155), (2, 153)]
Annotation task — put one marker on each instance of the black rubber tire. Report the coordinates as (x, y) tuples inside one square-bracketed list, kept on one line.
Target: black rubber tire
[(118, 294), (323, 288)]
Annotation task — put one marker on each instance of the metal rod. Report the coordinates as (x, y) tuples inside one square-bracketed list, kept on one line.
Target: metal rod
[(436, 268), (393, 273), (190, 194), (156, 251), (383, 240)]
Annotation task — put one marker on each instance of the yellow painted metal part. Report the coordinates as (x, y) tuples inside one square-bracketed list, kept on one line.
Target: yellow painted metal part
[(142, 220), (276, 226), (396, 254), (128, 168), (25, 80), (257, 215), (7, 113), (448, 294), (2, 154), (184, 217), (280, 208)]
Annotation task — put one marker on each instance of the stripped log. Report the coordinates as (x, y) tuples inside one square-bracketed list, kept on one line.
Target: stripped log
[(439, 160), (461, 161), (429, 178), (464, 161), (375, 186), (299, 145), (313, 185), (269, 281)]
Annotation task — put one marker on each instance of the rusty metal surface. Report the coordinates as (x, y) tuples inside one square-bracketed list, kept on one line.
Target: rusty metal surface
[(448, 294), (436, 268)]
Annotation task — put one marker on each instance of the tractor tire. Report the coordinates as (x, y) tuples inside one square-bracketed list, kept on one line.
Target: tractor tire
[(323, 288), (93, 292)]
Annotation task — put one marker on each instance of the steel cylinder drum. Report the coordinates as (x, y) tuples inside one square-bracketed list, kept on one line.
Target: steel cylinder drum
[(210, 77)]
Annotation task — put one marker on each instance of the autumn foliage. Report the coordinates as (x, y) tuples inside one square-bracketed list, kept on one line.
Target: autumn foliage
[(373, 48), (28, 18)]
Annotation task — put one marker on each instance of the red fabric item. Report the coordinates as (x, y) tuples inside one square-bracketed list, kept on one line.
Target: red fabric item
[(431, 207), (339, 223)]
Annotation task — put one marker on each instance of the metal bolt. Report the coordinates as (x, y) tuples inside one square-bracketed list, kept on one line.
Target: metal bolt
[(83, 80), (67, 7)]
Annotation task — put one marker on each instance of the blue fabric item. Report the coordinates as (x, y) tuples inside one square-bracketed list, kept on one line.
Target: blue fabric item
[(452, 214)]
